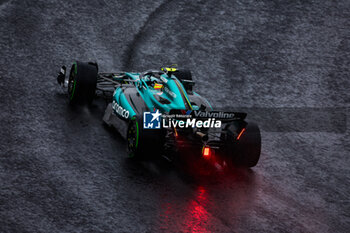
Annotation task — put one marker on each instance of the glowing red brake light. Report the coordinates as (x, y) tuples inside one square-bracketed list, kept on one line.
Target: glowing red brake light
[(240, 134), (206, 152)]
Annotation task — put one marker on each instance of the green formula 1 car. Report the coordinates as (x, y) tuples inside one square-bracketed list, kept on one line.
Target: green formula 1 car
[(159, 114)]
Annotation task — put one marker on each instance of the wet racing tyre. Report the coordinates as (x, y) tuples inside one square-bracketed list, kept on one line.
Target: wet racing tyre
[(246, 147), (82, 83)]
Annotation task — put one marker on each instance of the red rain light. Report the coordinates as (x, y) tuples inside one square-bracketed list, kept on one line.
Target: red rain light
[(240, 134), (206, 152)]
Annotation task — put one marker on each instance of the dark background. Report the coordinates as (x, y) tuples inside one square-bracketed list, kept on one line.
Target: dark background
[(284, 62)]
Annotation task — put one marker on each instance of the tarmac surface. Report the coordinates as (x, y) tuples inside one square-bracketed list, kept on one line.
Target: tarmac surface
[(284, 62)]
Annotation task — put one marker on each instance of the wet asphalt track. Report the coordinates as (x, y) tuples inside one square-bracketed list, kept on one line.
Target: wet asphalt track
[(285, 62)]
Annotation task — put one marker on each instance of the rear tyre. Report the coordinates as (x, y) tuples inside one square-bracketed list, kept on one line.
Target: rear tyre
[(82, 83), (143, 143), (244, 151)]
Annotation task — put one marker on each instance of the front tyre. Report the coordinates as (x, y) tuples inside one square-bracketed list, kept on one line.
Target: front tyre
[(82, 83)]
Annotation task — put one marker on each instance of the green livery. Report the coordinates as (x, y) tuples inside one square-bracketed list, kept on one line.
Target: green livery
[(218, 137)]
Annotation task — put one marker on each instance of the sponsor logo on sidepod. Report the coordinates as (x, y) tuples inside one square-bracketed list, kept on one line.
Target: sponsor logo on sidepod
[(120, 110), (172, 94)]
